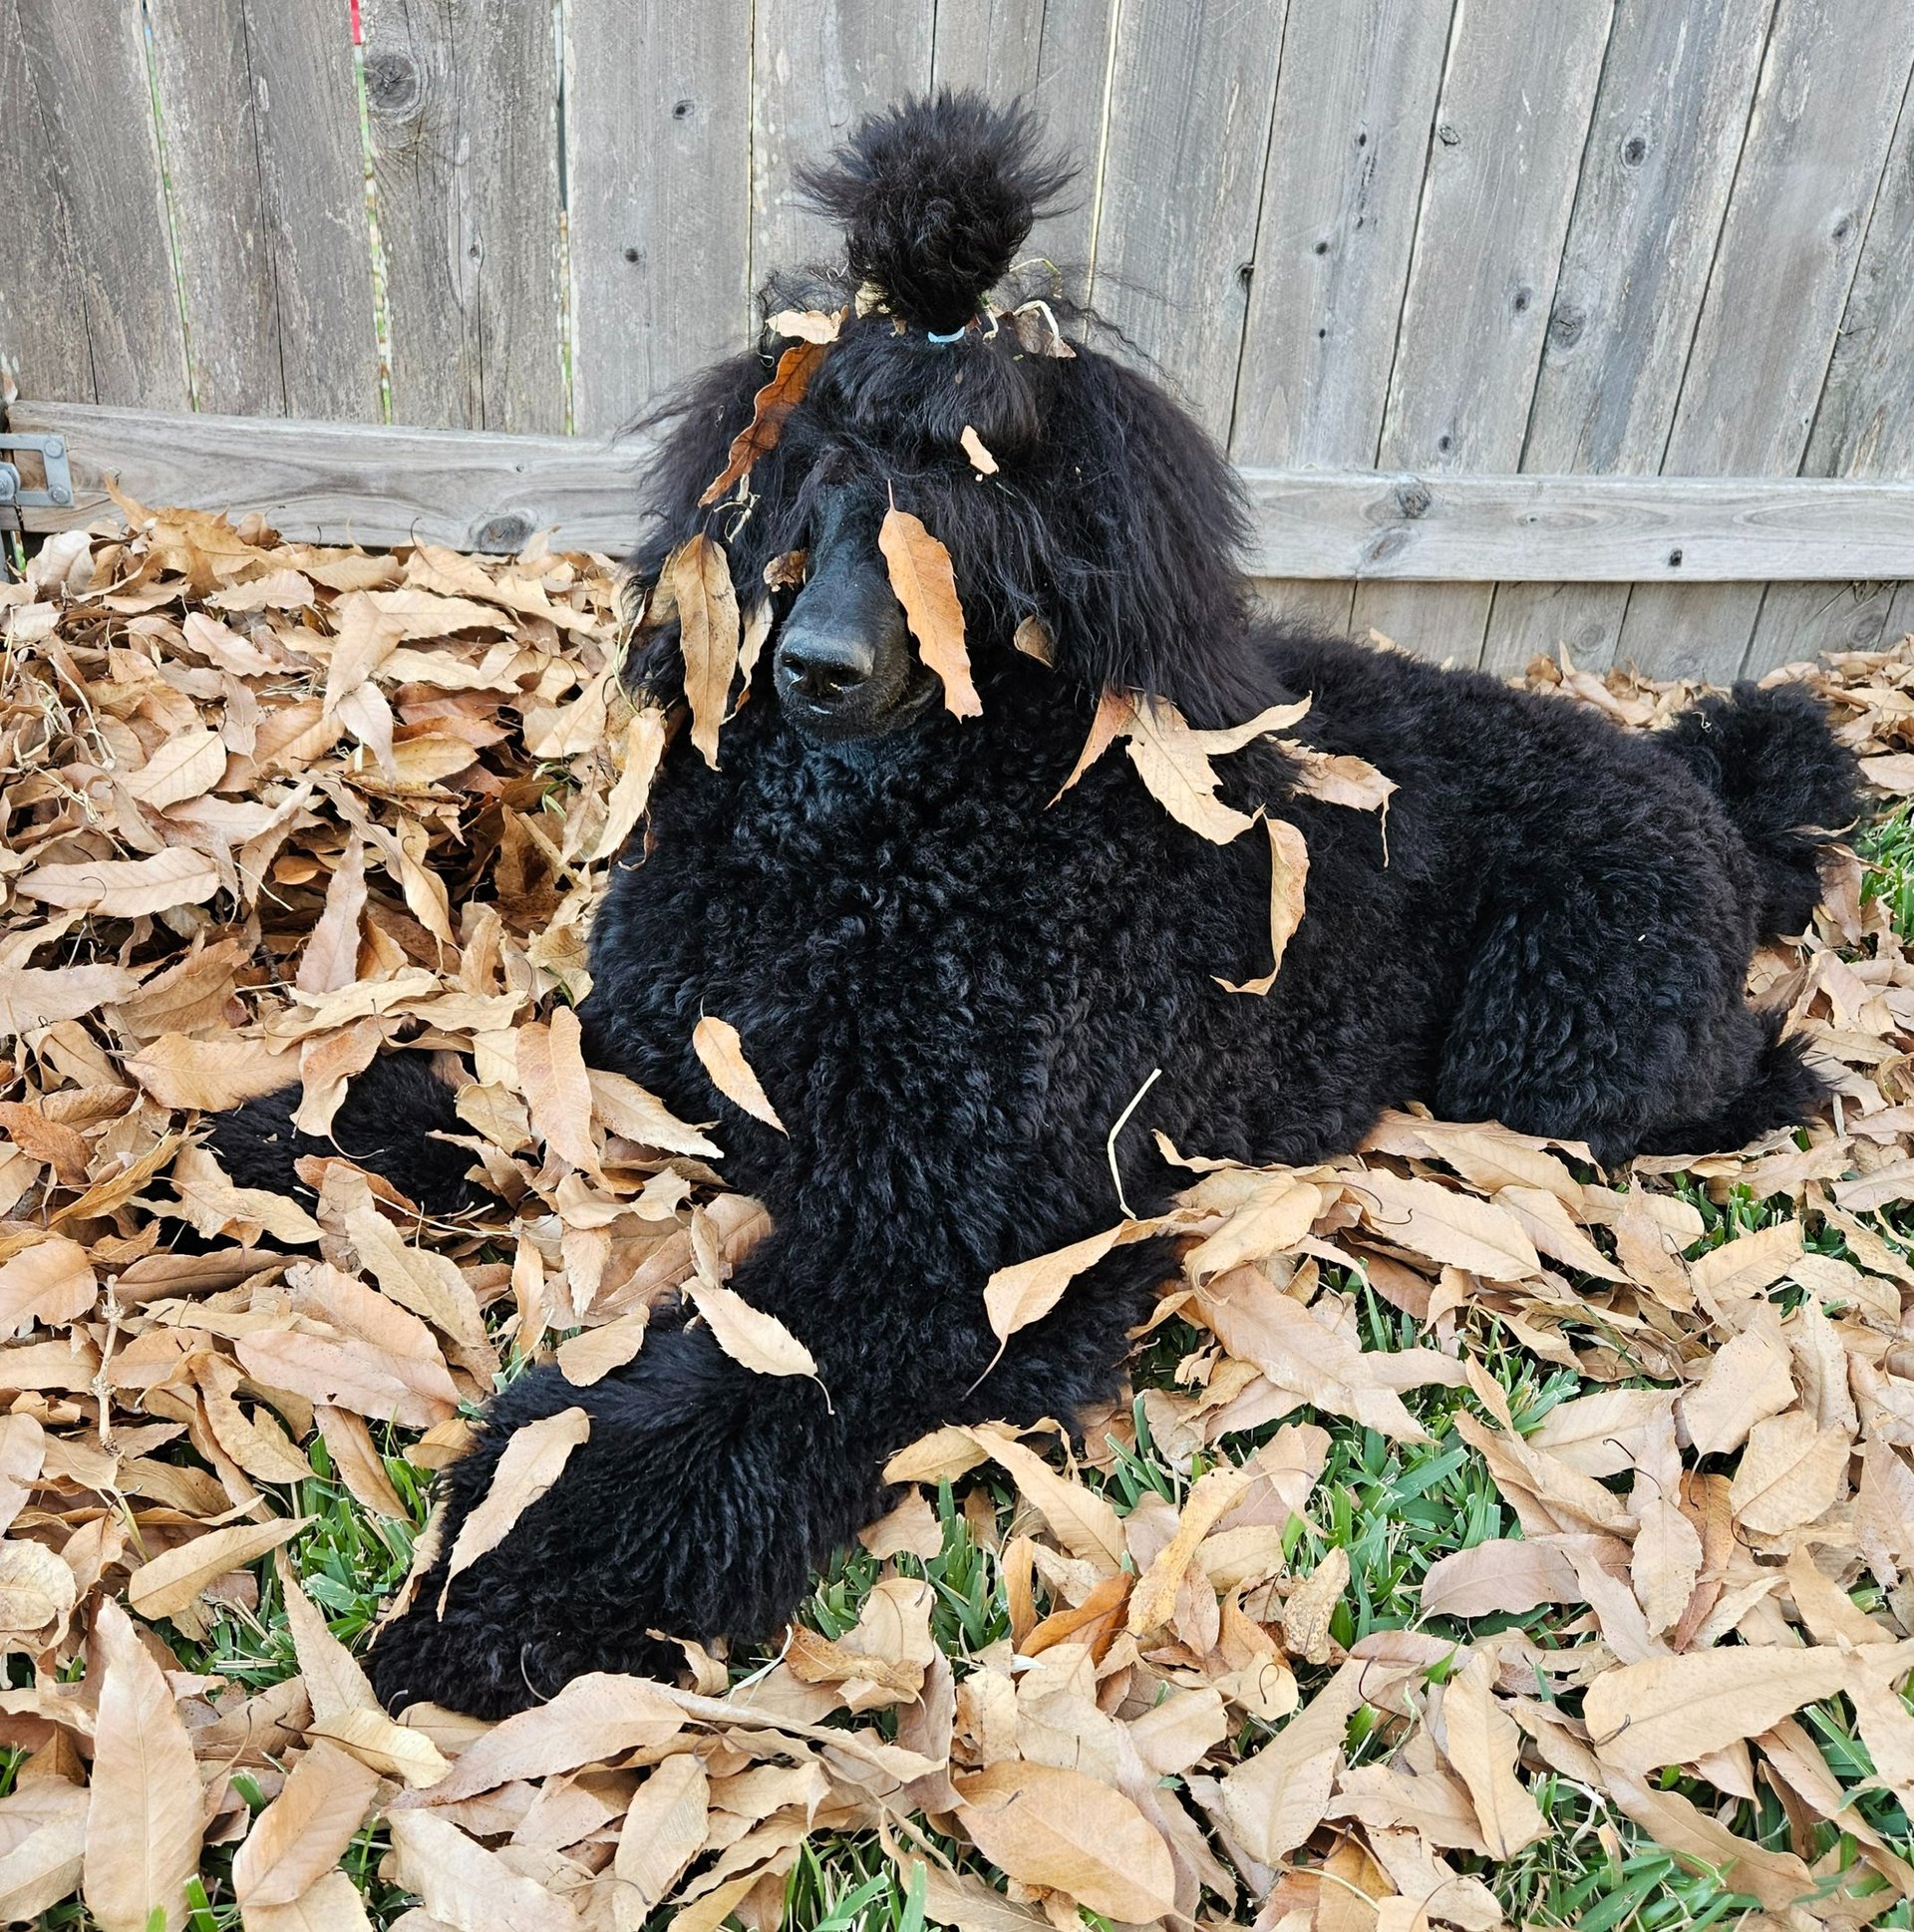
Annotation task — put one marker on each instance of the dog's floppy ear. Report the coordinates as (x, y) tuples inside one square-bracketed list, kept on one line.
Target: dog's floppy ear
[(935, 198), (1149, 530)]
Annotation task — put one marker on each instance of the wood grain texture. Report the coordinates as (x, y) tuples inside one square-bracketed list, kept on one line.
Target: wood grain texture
[(350, 482), (313, 190), (1511, 125), (1348, 148), (311, 477), (43, 318), (658, 158), (462, 99), (202, 71), (1670, 117), (1052, 53), (818, 67), (86, 67), (1182, 180), (1863, 421), (1830, 91)]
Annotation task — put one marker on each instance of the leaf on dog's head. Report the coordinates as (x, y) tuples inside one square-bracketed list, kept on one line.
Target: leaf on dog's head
[(926, 586), (808, 325), (981, 460), (530, 1462), (722, 1052), (697, 578), (1033, 638), (771, 408)]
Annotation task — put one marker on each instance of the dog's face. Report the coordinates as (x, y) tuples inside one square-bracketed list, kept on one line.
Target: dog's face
[(843, 667)]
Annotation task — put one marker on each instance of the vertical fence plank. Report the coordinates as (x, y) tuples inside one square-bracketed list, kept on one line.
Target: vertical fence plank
[(1346, 153), (1190, 91), (1830, 93), (1509, 132), (224, 230), (820, 67), (1669, 120), (1052, 53), (658, 139), (462, 102), (1863, 426), (86, 66), (43, 318)]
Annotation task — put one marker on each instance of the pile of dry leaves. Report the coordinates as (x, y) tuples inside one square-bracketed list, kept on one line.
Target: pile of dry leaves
[(268, 808)]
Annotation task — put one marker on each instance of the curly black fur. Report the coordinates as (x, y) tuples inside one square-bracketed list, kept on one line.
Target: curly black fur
[(953, 982)]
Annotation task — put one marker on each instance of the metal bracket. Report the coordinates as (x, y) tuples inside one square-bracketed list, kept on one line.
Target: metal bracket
[(55, 493)]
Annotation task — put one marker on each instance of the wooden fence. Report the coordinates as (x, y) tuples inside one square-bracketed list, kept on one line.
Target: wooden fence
[(1529, 321)]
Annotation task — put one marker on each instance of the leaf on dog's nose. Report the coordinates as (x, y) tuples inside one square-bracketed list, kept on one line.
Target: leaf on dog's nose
[(926, 586), (770, 410), (530, 1462), (722, 1052), (760, 1342), (1289, 870), (697, 578)]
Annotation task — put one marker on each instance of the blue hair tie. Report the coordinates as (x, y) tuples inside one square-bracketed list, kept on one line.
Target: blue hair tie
[(956, 335)]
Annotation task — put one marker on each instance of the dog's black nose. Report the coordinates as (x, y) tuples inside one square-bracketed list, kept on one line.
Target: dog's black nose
[(823, 668)]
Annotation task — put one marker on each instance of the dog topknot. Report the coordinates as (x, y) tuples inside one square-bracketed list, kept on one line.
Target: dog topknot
[(935, 198)]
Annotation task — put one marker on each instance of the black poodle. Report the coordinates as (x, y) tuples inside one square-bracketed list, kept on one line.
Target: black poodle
[(952, 981)]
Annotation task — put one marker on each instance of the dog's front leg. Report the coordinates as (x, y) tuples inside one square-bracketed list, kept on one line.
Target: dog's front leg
[(697, 1505)]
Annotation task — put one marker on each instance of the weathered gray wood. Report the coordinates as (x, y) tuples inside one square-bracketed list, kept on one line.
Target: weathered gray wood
[(350, 483), (1510, 124), (1053, 55), (1669, 116), (658, 171), (818, 67), (203, 69), (1309, 523), (1831, 87), (1182, 177), (85, 72), (1349, 143), (43, 319), (1347, 152), (461, 98), (1863, 423)]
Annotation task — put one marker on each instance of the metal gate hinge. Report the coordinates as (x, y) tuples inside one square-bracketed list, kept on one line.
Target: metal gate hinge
[(55, 493)]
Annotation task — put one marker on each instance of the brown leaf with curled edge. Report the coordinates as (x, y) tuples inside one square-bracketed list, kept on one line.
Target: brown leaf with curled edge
[(1045, 1825), (167, 1584), (144, 1823), (1481, 1742), (124, 889), (1033, 638), (926, 586), (721, 1052), (643, 754), (697, 576), (1173, 758), (981, 460), (761, 1341), (1342, 779), (1674, 1710), (558, 1088), (530, 1462), (808, 325), (1289, 873), (1154, 1598), (771, 408), (305, 1830)]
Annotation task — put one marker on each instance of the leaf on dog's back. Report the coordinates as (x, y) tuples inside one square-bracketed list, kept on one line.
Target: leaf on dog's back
[(770, 409), (529, 1465), (722, 1053), (761, 1341), (926, 586), (697, 578), (1289, 871)]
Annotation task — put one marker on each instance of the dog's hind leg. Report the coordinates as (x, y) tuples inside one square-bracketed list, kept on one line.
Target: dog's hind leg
[(1605, 1006)]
